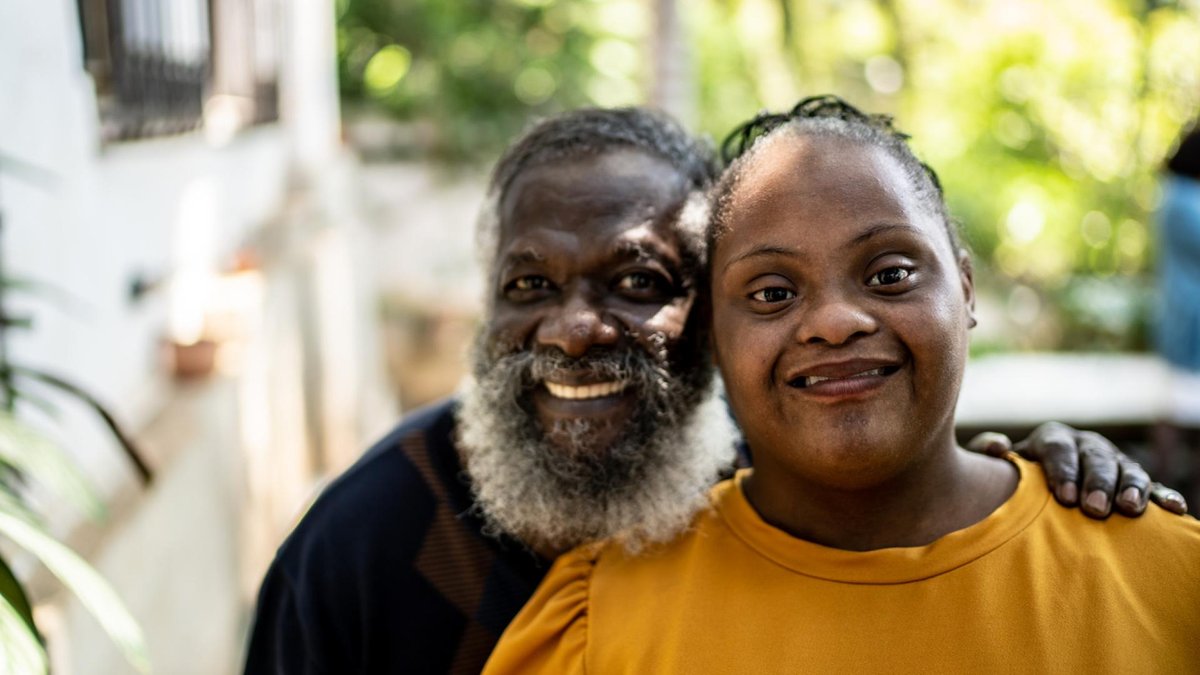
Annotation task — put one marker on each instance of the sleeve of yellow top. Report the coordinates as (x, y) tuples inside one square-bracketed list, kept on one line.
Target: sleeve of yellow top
[(549, 635)]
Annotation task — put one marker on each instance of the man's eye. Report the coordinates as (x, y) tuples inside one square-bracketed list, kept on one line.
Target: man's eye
[(641, 283), (635, 281), (773, 294), (528, 283), (892, 275)]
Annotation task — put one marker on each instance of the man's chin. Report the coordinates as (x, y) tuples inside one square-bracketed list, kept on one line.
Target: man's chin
[(556, 471)]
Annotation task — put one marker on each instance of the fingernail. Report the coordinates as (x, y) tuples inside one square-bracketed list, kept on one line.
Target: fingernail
[(1097, 501), (1176, 501), (1067, 493), (1130, 496)]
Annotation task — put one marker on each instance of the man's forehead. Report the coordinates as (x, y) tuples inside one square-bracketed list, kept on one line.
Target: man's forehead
[(646, 240), (599, 181)]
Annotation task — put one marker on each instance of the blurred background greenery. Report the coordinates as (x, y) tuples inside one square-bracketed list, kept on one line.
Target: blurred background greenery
[(1047, 121)]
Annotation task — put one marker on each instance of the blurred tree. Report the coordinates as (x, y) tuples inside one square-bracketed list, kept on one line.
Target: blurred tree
[(1046, 121), (469, 74)]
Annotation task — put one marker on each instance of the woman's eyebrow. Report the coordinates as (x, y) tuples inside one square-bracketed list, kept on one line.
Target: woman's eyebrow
[(877, 229), (760, 251)]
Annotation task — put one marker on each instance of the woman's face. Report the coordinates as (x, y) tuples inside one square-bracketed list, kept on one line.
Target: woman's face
[(840, 314)]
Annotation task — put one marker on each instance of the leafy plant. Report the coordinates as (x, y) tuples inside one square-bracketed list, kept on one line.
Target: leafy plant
[(28, 456), (1048, 147), (467, 76)]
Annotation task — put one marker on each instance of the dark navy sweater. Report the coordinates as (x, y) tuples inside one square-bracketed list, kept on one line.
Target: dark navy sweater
[(390, 571)]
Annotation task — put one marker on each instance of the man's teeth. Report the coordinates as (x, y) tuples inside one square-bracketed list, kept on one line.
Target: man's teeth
[(810, 380), (587, 390)]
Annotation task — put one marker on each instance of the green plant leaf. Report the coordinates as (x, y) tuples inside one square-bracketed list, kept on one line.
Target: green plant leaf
[(20, 650), (92, 590), (27, 171), (39, 459), (53, 294), (12, 591)]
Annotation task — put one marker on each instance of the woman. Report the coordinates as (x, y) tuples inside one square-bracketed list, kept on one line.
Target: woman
[(864, 539)]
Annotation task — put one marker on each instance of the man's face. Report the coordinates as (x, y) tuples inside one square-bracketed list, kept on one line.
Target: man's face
[(590, 270), (587, 372)]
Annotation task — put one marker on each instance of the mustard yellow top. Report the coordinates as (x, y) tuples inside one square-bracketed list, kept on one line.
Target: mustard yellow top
[(1032, 588)]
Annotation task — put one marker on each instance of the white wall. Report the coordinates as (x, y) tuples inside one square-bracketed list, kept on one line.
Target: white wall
[(234, 464), (103, 216)]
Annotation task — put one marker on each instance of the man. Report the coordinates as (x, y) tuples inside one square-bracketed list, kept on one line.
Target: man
[(593, 412)]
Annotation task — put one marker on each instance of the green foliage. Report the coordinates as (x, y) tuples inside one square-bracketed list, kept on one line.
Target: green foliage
[(20, 650), (14, 595), (1035, 114), (1047, 121), (28, 457), (37, 459), (470, 74), (95, 593), (34, 456)]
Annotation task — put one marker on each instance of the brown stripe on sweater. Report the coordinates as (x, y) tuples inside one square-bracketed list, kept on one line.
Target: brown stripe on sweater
[(455, 561)]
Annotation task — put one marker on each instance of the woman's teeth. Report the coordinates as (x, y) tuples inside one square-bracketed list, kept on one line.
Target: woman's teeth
[(810, 380)]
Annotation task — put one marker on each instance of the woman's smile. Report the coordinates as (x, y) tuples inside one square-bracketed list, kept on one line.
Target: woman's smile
[(843, 379), (840, 314)]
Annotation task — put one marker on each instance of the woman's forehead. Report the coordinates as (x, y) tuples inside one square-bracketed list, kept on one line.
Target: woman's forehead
[(809, 174), (814, 192), (790, 165)]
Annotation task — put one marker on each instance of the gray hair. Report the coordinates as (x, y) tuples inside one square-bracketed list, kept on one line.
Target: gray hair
[(591, 131)]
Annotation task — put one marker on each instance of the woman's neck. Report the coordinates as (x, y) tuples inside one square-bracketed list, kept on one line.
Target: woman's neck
[(951, 490)]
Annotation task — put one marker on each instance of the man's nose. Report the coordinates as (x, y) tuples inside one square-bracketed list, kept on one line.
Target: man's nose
[(834, 319), (576, 326)]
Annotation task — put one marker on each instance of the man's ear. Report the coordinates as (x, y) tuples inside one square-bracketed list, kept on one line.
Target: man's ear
[(966, 274)]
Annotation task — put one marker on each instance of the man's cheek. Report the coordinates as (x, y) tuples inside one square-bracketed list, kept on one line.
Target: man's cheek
[(501, 343), (670, 319)]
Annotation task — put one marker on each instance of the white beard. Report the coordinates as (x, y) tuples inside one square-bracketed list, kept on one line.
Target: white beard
[(646, 488)]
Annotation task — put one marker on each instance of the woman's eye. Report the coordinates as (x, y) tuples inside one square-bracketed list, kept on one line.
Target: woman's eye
[(892, 275), (773, 294)]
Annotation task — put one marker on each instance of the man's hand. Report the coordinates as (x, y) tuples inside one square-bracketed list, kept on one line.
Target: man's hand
[(1068, 455)]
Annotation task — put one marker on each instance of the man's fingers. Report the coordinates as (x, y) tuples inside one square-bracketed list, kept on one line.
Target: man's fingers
[(1100, 468), (1054, 446), (1133, 489), (1168, 499), (990, 443)]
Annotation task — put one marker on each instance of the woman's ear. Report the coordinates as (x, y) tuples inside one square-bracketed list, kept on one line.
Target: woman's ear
[(966, 274)]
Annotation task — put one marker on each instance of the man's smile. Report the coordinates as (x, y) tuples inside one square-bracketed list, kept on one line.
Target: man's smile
[(586, 391)]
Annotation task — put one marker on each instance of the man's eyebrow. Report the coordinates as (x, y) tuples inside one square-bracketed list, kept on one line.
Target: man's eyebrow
[(641, 250), (525, 256), (878, 229)]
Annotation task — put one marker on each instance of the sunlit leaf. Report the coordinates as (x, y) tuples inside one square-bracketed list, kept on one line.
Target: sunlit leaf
[(12, 591), (43, 290), (20, 651), (42, 461), (93, 591)]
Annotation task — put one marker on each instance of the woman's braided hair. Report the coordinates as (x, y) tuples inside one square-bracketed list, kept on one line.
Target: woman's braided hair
[(828, 116)]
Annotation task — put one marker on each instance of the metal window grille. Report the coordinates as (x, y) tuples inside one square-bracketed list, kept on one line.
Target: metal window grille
[(159, 66)]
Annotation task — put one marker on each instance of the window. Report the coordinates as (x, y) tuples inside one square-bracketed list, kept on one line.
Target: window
[(165, 67)]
